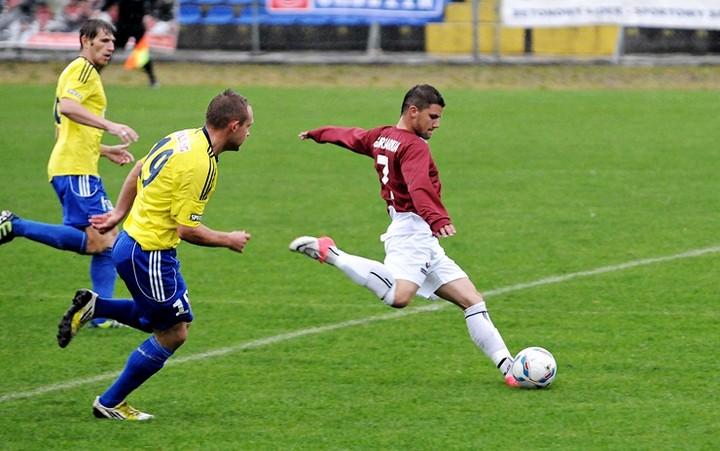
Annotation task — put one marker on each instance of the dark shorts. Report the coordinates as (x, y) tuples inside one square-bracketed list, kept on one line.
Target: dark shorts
[(81, 196), (154, 281)]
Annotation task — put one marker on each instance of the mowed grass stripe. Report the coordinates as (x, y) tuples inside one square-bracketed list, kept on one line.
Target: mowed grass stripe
[(371, 319)]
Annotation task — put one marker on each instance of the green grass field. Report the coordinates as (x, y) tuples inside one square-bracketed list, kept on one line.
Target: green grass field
[(588, 217)]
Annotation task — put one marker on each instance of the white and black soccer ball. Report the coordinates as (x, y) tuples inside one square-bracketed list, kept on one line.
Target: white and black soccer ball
[(534, 367)]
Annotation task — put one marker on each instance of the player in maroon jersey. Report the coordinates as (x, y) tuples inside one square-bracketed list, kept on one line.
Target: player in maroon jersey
[(415, 263)]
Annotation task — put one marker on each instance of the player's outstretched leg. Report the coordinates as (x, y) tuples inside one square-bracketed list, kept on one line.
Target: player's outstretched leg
[(80, 312), (370, 274), (122, 411), (62, 237), (6, 226), (315, 248)]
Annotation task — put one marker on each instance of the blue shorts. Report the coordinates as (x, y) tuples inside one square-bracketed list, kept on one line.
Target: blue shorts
[(155, 283), (81, 196)]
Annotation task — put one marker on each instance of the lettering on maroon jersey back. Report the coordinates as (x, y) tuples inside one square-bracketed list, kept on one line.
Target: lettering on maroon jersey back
[(386, 144)]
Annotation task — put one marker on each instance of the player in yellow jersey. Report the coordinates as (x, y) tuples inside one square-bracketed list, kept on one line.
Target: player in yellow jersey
[(79, 112), (165, 194)]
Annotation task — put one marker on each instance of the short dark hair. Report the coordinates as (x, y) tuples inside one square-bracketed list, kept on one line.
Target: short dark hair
[(92, 27), (422, 96), (226, 107)]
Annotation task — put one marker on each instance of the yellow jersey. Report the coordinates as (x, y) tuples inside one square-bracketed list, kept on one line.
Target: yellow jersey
[(77, 148), (178, 177)]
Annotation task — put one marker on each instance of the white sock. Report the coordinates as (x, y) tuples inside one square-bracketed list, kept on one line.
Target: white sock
[(487, 337), (370, 274)]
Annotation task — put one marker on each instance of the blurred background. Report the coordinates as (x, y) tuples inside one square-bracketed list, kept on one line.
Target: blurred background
[(468, 30)]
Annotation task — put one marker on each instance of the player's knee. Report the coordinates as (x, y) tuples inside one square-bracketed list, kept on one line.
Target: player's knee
[(180, 340), (174, 337), (97, 243), (400, 295), (181, 335), (401, 301)]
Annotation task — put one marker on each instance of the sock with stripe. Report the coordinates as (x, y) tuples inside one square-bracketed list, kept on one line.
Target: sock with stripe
[(487, 337), (143, 362), (370, 274), (65, 238)]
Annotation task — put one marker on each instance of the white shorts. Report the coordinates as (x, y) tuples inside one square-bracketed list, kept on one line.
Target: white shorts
[(420, 259)]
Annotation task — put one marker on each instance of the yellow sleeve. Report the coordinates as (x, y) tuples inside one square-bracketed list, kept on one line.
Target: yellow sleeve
[(188, 204)]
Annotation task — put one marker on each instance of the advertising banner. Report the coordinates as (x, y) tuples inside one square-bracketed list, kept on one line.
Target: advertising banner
[(410, 9), (689, 14)]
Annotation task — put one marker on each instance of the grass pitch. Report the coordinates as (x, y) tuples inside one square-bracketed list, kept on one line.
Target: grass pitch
[(544, 186)]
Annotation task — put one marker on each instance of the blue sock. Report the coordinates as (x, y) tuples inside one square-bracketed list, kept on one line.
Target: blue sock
[(144, 361), (121, 310), (61, 237), (103, 275)]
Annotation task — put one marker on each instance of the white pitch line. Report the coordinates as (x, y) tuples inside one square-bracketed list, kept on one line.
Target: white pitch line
[(359, 322), (603, 270)]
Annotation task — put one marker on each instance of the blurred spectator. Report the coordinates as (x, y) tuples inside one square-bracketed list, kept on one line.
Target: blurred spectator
[(76, 12), (17, 20), (70, 15)]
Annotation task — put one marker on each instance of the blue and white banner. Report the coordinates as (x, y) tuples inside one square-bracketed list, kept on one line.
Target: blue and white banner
[(411, 9), (691, 14)]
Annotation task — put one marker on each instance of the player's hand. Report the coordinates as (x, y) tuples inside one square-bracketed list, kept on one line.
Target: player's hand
[(446, 231), (126, 134), (118, 154), (303, 135), (238, 240), (105, 222)]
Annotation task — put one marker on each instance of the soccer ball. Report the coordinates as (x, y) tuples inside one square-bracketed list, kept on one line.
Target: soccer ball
[(534, 367)]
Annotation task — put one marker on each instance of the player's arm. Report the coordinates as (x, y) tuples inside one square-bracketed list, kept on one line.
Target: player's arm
[(352, 138), (73, 110), (204, 236), (107, 221), (424, 194)]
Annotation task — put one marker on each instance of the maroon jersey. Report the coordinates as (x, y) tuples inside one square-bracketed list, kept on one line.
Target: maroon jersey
[(408, 176)]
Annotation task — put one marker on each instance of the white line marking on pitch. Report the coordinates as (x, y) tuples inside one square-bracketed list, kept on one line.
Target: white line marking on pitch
[(358, 322)]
